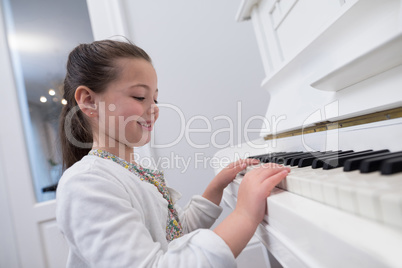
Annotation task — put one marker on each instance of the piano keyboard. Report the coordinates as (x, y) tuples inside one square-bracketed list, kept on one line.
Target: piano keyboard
[(366, 183), (345, 212)]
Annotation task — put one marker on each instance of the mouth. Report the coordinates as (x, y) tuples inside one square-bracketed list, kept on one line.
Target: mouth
[(146, 125)]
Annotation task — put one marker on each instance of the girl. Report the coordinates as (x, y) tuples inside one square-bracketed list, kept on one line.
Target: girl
[(115, 213)]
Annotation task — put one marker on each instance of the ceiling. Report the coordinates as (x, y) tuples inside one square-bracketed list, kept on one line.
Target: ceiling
[(43, 32)]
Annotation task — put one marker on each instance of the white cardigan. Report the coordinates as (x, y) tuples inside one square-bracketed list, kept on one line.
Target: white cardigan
[(110, 218)]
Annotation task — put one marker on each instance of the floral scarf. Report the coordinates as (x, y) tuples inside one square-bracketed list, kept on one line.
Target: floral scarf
[(155, 177)]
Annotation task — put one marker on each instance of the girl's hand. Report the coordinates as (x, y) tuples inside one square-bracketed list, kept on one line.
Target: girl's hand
[(238, 228), (228, 174), (254, 189), (215, 188)]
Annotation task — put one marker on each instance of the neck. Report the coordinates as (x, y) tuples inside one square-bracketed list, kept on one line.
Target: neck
[(121, 150)]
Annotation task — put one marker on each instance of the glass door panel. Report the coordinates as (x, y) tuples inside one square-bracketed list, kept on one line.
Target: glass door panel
[(40, 36)]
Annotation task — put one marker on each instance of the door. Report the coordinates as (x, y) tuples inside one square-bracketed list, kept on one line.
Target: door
[(28, 230)]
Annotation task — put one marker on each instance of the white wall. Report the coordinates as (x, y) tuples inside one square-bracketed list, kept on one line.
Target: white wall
[(206, 62)]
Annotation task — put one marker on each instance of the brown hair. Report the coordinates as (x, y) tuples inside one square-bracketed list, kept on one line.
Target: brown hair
[(92, 65)]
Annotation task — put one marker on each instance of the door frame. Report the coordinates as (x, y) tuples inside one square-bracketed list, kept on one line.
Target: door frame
[(28, 228)]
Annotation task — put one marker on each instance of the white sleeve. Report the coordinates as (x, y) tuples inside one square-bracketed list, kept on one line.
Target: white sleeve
[(104, 229), (199, 213)]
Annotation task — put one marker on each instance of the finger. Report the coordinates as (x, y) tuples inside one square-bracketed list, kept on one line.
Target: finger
[(275, 166), (251, 161), (269, 166), (264, 172), (272, 165), (273, 180), (247, 161), (243, 163)]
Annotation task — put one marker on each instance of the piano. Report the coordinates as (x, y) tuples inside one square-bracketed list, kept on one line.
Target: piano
[(333, 71)]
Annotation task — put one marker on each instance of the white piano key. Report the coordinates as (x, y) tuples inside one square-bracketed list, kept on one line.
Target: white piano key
[(304, 187), (330, 193), (391, 207), (282, 184), (320, 187), (369, 195), (347, 198), (293, 184), (375, 207), (368, 205), (352, 192), (316, 191)]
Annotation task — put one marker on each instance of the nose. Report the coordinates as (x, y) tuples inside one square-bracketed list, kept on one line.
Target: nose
[(153, 110)]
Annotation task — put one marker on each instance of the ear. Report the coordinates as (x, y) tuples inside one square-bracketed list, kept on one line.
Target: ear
[(85, 99)]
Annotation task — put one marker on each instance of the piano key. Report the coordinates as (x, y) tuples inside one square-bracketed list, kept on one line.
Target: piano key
[(359, 193), (374, 164), (319, 162), (353, 192), (354, 163), (308, 161), (292, 160), (288, 160), (391, 166), (286, 157), (268, 157), (279, 157), (391, 207), (309, 183), (295, 160), (258, 156), (370, 188), (339, 162)]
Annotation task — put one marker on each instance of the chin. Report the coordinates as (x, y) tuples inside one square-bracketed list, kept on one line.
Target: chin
[(145, 139)]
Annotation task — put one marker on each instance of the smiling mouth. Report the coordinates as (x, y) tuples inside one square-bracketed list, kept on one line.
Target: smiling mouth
[(147, 126)]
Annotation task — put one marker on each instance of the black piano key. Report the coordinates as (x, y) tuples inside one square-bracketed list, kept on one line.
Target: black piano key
[(295, 160), (276, 156), (391, 166), (261, 156), (307, 161), (266, 158), (319, 161), (374, 164), (289, 160), (282, 159), (339, 162), (257, 156), (354, 163)]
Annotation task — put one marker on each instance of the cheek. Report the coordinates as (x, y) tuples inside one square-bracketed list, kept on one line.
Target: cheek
[(156, 115), (130, 114), (125, 118)]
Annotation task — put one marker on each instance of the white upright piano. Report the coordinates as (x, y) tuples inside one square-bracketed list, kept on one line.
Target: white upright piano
[(334, 77)]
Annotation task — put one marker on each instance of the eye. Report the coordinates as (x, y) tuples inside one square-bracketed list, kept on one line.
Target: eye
[(139, 98)]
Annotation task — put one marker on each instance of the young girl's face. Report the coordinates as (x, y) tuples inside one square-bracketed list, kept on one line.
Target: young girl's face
[(129, 105)]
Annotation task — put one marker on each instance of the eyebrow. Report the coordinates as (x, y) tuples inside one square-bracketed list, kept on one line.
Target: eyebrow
[(144, 86)]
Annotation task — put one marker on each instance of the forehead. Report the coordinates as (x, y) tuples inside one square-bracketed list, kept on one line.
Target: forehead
[(136, 70)]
